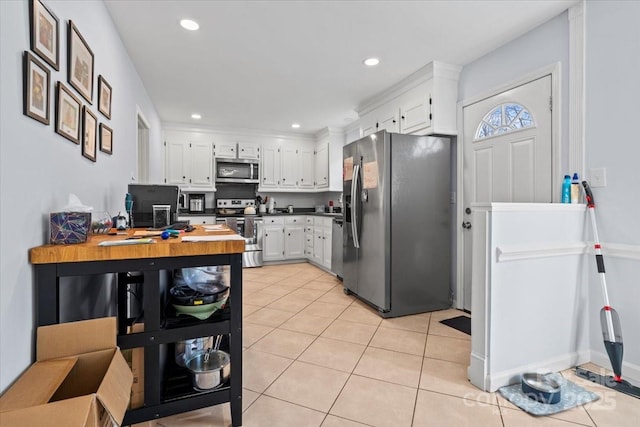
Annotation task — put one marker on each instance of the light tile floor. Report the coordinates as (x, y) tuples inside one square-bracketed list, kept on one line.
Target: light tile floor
[(314, 356)]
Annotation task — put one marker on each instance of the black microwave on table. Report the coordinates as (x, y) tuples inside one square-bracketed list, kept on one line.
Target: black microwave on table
[(237, 171)]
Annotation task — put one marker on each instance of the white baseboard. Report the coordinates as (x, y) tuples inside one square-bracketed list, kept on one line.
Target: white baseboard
[(493, 381)]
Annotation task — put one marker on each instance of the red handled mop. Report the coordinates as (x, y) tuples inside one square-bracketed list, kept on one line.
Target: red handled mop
[(609, 320)]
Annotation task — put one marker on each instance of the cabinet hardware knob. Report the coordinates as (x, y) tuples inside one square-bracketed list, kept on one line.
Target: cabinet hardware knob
[(394, 120), (402, 117)]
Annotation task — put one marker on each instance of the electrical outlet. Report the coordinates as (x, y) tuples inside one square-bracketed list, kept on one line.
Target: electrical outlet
[(598, 177)]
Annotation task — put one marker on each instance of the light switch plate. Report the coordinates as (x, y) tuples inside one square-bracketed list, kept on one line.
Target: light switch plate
[(598, 177)]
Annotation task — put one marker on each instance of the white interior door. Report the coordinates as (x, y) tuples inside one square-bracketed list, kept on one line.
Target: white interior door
[(507, 154)]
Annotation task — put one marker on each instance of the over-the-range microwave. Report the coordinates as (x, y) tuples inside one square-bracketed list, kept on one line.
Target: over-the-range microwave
[(237, 171)]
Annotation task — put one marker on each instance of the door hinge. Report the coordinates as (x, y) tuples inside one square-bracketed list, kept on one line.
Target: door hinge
[(550, 103), (165, 180), (430, 101), (430, 116), (165, 143)]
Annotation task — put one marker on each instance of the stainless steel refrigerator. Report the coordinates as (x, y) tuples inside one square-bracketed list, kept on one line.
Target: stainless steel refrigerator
[(397, 234)]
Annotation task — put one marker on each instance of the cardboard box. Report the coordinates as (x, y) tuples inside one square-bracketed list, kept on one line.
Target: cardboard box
[(137, 368), (79, 379)]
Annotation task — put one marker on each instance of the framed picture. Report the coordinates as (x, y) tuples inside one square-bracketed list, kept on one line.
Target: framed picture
[(80, 64), (45, 33), (89, 134), (36, 89), (106, 138), (68, 113), (104, 97)]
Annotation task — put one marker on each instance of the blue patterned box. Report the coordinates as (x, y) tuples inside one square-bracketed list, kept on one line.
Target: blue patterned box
[(69, 227)]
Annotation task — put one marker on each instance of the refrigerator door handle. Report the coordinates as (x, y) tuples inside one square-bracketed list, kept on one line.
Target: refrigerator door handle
[(354, 216)]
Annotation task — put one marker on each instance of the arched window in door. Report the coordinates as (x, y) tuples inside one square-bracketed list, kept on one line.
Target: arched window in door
[(504, 118)]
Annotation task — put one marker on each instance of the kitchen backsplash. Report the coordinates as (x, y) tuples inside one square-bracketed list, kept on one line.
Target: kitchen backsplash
[(298, 200)]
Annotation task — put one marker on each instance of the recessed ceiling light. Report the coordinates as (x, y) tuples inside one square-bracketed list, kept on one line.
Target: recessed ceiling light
[(188, 24), (295, 126), (371, 62), (196, 116)]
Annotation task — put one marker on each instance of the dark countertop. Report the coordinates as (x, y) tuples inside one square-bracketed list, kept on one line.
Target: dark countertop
[(301, 211)]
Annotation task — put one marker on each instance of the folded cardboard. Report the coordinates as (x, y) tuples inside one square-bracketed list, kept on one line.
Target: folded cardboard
[(135, 360), (79, 379)]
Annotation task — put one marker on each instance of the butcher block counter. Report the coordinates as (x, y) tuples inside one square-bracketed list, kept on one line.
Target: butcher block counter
[(165, 391), (172, 247)]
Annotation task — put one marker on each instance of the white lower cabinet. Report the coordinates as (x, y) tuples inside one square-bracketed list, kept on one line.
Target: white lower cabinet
[(308, 238), (321, 246), (195, 220), (273, 241), (283, 238), (294, 237)]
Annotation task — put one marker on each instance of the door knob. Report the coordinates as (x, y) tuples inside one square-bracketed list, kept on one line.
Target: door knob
[(466, 225)]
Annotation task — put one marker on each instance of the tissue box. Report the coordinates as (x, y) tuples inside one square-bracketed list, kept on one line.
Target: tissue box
[(69, 227)]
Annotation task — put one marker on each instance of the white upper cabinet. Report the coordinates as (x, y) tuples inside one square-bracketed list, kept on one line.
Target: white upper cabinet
[(201, 164), (270, 168), (306, 157), (225, 149), (236, 150), (248, 150), (189, 160), (328, 161), (288, 166), (176, 162), (322, 165), (422, 104)]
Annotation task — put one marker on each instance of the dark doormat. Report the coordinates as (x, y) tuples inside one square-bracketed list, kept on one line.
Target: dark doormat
[(460, 323)]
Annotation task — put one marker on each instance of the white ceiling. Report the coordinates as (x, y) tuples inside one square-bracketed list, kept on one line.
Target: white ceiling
[(266, 64)]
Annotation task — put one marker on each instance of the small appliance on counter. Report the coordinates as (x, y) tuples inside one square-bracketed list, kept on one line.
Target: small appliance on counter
[(196, 203)]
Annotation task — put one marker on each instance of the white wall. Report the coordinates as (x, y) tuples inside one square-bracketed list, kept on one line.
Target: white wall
[(612, 93), (537, 49), (39, 168)]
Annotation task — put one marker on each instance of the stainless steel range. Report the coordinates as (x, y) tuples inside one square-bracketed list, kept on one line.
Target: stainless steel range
[(231, 212)]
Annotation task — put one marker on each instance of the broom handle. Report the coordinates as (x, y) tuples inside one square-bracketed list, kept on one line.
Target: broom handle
[(591, 204)]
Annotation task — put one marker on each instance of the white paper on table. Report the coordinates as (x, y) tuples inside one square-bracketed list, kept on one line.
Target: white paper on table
[(214, 227), (218, 238)]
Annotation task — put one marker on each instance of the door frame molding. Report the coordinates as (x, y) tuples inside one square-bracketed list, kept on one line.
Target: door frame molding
[(556, 127)]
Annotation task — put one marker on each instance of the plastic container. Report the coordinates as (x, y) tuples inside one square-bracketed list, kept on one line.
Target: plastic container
[(566, 189), (575, 188)]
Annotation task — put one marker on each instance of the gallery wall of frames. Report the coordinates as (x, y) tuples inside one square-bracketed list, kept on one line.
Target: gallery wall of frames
[(75, 117)]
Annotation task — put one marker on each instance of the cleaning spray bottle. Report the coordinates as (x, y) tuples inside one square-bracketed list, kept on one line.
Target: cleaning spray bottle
[(575, 188), (566, 189)]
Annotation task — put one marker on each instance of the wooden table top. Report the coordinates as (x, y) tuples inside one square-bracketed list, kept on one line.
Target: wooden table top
[(172, 247)]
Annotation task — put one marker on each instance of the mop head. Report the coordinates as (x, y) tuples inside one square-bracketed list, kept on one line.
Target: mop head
[(621, 386), (571, 396)]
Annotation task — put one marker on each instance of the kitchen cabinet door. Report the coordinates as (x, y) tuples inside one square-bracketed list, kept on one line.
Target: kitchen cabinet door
[(289, 167), (273, 243), (389, 120), (415, 111), (201, 164), (225, 149), (306, 157), (318, 246), (248, 150), (270, 167), (294, 241), (326, 249), (322, 165), (176, 163)]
